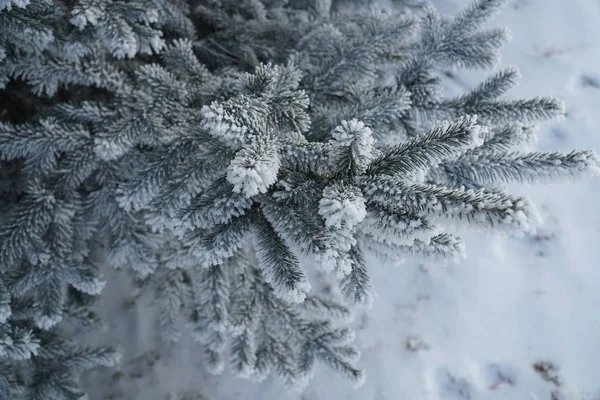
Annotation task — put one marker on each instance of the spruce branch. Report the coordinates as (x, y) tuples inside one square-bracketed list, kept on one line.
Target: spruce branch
[(421, 153), (280, 266)]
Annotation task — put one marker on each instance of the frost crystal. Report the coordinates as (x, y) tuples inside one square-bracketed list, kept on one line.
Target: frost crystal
[(358, 139), (342, 205), (254, 168)]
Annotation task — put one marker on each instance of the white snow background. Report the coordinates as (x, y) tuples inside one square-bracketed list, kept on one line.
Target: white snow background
[(482, 323)]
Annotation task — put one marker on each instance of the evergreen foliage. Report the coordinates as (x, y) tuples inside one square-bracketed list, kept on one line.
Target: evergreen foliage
[(227, 150)]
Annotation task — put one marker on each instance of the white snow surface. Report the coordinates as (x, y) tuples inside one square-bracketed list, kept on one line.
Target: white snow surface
[(475, 328)]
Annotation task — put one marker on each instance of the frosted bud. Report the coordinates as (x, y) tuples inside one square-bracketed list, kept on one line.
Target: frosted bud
[(254, 168), (352, 139), (222, 126), (342, 205)]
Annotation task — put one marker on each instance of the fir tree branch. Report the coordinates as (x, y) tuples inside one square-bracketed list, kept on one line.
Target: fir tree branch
[(421, 153)]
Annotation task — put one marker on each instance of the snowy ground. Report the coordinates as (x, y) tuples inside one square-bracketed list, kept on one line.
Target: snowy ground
[(483, 323)]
